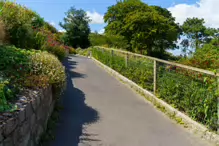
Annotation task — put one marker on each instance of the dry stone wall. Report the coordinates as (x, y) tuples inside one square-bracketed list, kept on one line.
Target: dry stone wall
[(25, 126)]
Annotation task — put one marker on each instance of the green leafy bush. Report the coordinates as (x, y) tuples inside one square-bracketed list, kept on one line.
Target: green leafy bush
[(2, 33), (3, 101), (57, 50), (18, 24), (83, 52), (206, 57), (28, 69), (6, 93), (26, 29), (191, 92), (40, 39), (15, 63), (72, 51), (47, 65), (138, 70), (108, 40)]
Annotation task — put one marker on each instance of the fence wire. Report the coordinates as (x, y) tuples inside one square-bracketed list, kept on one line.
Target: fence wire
[(189, 90)]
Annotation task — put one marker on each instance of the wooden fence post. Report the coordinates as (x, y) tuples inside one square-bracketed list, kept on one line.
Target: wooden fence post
[(217, 101), (126, 60), (155, 76), (112, 53), (90, 53)]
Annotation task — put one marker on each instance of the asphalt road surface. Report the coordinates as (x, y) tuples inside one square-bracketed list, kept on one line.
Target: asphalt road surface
[(101, 111)]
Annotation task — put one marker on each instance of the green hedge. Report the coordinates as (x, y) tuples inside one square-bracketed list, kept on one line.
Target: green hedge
[(20, 68), (190, 92), (139, 70)]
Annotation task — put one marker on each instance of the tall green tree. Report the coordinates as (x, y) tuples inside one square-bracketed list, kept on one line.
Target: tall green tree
[(194, 30), (147, 28), (76, 25), (197, 34)]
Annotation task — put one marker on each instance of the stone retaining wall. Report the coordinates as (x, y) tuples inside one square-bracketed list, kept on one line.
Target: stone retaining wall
[(25, 126)]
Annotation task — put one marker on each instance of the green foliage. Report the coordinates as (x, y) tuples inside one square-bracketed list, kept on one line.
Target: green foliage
[(38, 22), (18, 24), (23, 68), (47, 65), (206, 58), (108, 40), (40, 39), (2, 33), (83, 52), (191, 92), (15, 63), (26, 29), (77, 28), (139, 70), (5, 94), (197, 34), (46, 40), (149, 28), (50, 28), (72, 51), (57, 50), (194, 29), (28, 69)]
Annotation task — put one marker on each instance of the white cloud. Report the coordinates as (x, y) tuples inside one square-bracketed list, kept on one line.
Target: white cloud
[(95, 17), (101, 31), (62, 30), (52, 23), (207, 9)]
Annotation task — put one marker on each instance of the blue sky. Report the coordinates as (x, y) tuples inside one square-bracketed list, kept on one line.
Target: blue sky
[(53, 10)]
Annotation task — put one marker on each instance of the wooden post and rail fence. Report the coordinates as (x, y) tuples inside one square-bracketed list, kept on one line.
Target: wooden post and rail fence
[(156, 61)]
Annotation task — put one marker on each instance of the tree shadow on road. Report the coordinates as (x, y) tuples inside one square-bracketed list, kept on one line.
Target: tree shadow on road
[(76, 112)]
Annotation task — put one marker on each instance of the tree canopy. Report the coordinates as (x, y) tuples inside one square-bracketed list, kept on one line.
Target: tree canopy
[(146, 28), (76, 24), (196, 33)]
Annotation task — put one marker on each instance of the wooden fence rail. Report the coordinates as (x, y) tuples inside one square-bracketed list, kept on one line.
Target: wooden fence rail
[(164, 61), (155, 64)]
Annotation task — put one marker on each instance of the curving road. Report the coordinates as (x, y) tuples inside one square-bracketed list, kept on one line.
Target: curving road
[(101, 111)]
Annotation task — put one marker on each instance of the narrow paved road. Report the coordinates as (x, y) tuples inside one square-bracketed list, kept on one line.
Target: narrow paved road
[(101, 111)]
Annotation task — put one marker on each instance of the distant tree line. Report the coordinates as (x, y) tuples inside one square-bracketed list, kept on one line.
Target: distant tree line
[(138, 27)]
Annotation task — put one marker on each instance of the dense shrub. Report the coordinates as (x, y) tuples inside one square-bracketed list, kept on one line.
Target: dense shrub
[(83, 52), (2, 32), (139, 70), (206, 57), (47, 65), (18, 24), (50, 28), (3, 101), (108, 40), (6, 93), (49, 42), (72, 51), (40, 40), (26, 29), (28, 69), (15, 63), (191, 92), (58, 50)]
